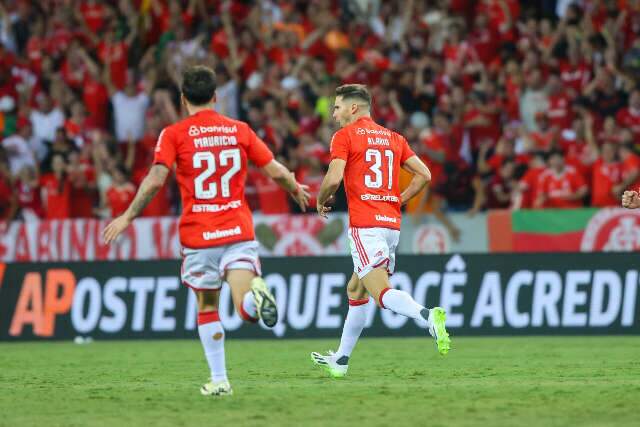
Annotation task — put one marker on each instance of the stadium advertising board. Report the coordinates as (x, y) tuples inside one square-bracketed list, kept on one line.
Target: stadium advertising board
[(157, 239), (483, 295)]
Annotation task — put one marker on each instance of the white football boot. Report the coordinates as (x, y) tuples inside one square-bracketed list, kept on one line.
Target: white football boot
[(221, 388), (329, 362)]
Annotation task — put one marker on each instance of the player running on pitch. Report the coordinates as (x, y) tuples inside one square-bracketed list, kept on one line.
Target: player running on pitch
[(210, 152), (369, 157)]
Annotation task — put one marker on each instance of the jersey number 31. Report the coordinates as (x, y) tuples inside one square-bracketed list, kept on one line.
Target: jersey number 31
[(375, 179), (207, 160)]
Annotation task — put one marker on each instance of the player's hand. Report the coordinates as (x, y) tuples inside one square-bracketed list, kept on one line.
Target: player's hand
[(115, 228), (631, 200), (323, 210), (302, 196)]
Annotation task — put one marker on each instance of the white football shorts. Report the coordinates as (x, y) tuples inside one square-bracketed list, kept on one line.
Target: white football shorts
[(205, 269), (372, 248)]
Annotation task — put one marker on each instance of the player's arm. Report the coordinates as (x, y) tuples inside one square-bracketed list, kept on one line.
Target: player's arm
[(330, 185), (148, 189), (421, 177), (285, 179)]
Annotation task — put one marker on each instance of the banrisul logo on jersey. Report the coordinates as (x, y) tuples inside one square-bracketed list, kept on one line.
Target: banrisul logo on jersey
[(483, 295)]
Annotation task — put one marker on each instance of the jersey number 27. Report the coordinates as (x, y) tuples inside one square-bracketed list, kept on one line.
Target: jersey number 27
[(207, 160), (376, 178)]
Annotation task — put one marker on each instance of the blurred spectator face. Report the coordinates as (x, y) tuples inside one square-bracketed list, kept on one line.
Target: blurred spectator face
[(78, 112), (556, 162), (44, 102), (271, 109), (441, 122), (534, 80), (608, 152), (24, 128), (174, 7), (457, 96), (26, 174), (626, 136), (454, 35), (482, 21), (605, 80), (58, 165), (255, 116), (573, 14), (508, 148), (609, 125), (507, 170), (130, 87), (554, 84), (545, 27), (61, 136), (119, 178)]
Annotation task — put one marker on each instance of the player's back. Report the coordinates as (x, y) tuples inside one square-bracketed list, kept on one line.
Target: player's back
[(211, 154), (374, 156)]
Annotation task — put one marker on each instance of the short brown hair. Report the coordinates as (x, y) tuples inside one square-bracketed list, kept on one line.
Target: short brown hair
[(198, 84), (354, 91)]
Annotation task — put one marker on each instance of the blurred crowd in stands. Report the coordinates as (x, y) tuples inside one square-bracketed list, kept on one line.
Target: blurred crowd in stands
[(530, 104)]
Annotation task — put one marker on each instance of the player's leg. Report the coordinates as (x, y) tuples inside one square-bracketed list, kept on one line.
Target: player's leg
[(337, 363), (212, 338), (249, 292), (200, 272), (356, 318), (379, 247)]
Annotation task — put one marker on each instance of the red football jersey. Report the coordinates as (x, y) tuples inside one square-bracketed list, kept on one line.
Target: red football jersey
[(629, 166), (558, 187), (57, 196), (374, 155), (605, 177), (211, 152), (120, 198), (630, 118)]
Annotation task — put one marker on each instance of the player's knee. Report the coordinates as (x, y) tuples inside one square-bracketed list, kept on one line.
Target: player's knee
[(208, 301)]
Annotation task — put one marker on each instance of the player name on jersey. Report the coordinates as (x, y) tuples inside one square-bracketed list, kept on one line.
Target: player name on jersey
[(374, 156), (211, 154)]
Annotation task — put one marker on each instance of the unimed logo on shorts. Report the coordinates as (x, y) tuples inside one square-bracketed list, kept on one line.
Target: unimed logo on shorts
[(218, 234)]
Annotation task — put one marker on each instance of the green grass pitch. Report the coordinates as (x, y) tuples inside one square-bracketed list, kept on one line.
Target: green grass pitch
[(560, 381)]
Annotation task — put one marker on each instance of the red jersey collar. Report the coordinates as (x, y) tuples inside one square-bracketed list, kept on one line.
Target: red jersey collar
[(204, 112), (364, 118)]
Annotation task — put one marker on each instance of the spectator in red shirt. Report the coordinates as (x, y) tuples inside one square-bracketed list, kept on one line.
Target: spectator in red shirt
[(56, 190), (82, 176), (28, 191), (559, 112), (561, 186), (121, 192), (630, 165), (529, 185), (606, 175), (546, 137), (629, 116), (94, 14)]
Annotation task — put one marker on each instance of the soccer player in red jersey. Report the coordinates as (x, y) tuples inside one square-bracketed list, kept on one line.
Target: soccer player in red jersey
[(369, 157), (210, 153)]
